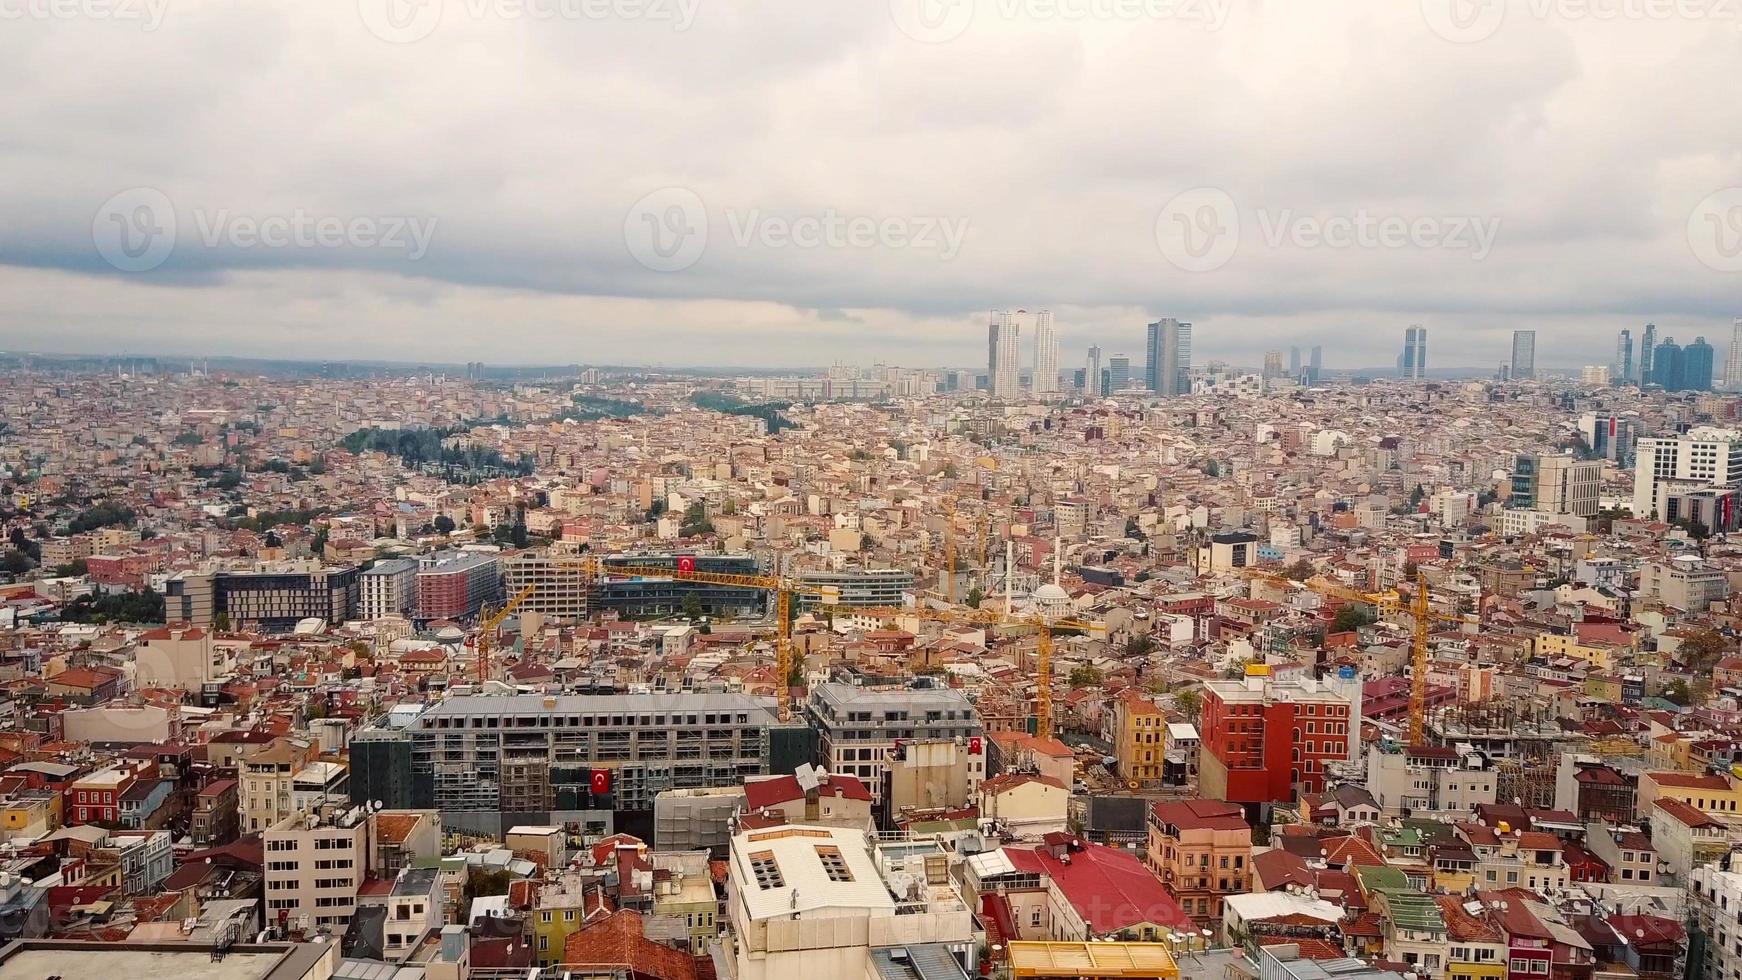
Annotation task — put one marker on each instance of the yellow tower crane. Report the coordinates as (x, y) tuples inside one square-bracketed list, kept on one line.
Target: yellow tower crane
[(684, 570), (488, 622)]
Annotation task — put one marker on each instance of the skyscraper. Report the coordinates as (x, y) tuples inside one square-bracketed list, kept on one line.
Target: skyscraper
[(1294, 363), (1697, 365), (1169, 358), (1647, 349), (1666, 364), (1315, 365), (1118, 374), (1412, 363), (1273, 363), (1046, 356), (1624, 357), (1002, 372), (1733, 363), (1523, 354), (1092, 374)]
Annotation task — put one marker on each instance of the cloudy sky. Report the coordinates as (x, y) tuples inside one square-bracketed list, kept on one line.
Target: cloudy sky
[(796, 182)]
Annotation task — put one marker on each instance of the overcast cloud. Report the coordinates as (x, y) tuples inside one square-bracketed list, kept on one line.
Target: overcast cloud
[(795, 182)]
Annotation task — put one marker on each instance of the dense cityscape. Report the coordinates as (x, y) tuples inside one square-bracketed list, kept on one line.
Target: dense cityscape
[(1144, 668)]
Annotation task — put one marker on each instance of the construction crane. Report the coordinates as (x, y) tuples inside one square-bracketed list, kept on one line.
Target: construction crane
[(950, 549), (684, 570), (487, 629), (1389, 602), (1044, 628)]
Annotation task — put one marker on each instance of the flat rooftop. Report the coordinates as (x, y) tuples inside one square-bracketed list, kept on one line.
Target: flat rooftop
[(35, 960)]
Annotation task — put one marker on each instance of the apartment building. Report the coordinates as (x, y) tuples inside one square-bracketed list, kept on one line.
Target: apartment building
[(1432, 778), (1202, 850), (182, 658), (271, 597), (414, 909), (267, 775), (456, 585), (1685, 582), (388, 589), (860, 729), (1265, 739), (315, 863)]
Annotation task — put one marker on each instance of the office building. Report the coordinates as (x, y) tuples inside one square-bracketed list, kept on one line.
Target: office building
[(1118, 374), (1610, 437), (1412, 363), (389, 589), (1294, 363), (1733, 362), (1704, 457), (1002, 370), (1092, 373), (1686, 583), (1556, 485), (1267, 739), (1315, 365), (493, 762), (1046, 356), (1697, 365), (456, 585), (1169, 358), (859, 729), (271, 598), (1623, 367), (1647, 347), (651, 597), (1666, 365), (1595, 374), (1273, 364), (1523, 355), (857, 587)]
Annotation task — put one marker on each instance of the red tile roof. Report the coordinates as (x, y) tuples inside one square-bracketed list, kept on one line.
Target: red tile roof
[(618, 940), (1113, 887)]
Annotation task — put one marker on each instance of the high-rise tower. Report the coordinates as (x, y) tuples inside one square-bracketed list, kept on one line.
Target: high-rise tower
[(1169, 360), (1046, 356), (1002, 372), (1412, 363)]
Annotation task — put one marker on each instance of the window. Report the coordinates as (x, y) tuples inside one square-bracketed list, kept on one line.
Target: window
[(766, 870), (1035, 919)]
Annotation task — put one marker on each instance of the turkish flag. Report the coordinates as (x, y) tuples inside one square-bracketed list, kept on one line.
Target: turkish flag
[(686, 564), (601, 782), (974, 745)]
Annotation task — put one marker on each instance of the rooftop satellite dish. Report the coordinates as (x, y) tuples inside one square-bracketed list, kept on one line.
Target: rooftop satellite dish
[(808, 777)]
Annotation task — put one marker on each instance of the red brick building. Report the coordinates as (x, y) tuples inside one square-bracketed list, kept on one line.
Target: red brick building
[(1267, 739)]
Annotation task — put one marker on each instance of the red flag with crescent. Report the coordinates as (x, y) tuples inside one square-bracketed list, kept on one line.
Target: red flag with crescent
[(686, 564), (601, 782)]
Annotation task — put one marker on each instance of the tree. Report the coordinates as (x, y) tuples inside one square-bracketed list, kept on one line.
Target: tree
[(692, 606), (1702, 651), (975, 597), (16, 563), (1140, 645), (1086, 675), (1299, 571), (1409, 570), (443, 524), (1189, 702), (1351, 617)]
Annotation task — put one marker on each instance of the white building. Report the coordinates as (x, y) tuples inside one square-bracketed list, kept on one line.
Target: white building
[(1685, 582), (388, 589), (315, 863), (1705, 457), (1002, 372), (805, 901), (1046, 356)]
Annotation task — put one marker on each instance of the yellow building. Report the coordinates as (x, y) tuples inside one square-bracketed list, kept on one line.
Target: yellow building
[(1600, 657), (30, 815), (1044, 961), (1714, 794), (1141, 747), (561, 911)]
